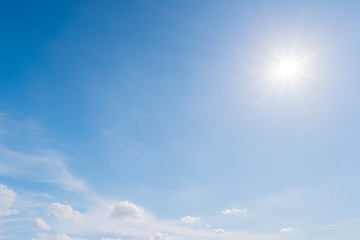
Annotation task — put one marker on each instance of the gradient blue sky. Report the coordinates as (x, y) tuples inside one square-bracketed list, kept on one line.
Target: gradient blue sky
[(160, 120)]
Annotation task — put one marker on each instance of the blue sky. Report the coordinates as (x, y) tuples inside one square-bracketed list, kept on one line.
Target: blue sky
[(179, 120)]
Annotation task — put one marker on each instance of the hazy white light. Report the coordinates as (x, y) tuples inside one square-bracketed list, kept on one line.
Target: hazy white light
[(287, 69)]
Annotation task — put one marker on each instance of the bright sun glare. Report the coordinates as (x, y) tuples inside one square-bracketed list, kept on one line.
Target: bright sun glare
[(287, 69)]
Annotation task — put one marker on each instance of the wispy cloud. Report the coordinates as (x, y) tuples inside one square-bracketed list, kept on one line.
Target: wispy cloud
[(233, 211), (336, 225), (159, 236), (288, 230), (103, 216), (34, 160), (287, 198), (219, 230), (57, 236), (111, 239), (41, 165), (190, 220)]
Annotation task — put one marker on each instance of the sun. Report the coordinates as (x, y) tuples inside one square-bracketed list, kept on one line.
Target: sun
[(287, 69)]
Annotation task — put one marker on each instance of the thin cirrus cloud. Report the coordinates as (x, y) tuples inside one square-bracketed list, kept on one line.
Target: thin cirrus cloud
[(57, 236), (24, 164), (233, 211), (190, 220)]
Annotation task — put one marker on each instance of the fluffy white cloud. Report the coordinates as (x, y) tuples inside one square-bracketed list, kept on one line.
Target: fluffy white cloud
[(219, 230), (159, 236), (40, 225), (107, 219), (7, 199), (63, 212), (232, 211), (288, 230), (127, 212), (57, 236), (190, 220)]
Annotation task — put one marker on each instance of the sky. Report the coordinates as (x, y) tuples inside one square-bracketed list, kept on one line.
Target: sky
[(179, 120)]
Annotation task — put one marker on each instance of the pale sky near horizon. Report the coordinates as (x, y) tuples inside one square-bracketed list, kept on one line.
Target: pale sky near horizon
[(179, 120)]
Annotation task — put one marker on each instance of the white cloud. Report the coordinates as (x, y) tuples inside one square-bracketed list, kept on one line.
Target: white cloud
[(233, 211), (98, 219), (63, 212), (7, 199), (40, 225), (288, 230), (190, 220), (219, 230), (57, 236), (111, 239), (113, 222), (159, 236), (127, 212)]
